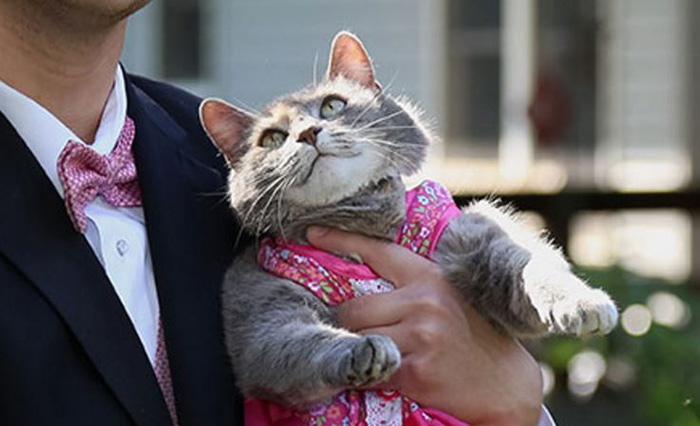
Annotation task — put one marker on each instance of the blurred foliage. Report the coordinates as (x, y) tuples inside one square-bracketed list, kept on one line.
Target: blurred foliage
[(665, 388)]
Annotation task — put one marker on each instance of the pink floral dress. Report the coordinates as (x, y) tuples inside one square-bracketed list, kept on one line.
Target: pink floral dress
[(429, 208)]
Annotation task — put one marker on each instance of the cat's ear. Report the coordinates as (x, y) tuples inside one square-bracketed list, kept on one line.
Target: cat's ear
[(226, 126), (349, 58)]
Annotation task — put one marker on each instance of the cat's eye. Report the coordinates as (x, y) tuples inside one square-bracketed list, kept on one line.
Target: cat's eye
[(272, 138), (332, 106)]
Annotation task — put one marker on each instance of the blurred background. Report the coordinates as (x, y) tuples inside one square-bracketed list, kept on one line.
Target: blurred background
[(581, 113)]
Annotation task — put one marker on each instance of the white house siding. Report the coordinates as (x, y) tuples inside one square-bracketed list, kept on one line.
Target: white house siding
[(643, 96), (257, 50)]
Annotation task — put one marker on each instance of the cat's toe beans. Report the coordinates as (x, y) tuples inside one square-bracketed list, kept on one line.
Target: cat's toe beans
[(592, 314), (566, 318), (374, 359), (607, 314)]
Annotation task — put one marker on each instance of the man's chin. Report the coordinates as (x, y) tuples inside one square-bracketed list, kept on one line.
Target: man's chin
[(129, 7), (100, 10), (116, 10)]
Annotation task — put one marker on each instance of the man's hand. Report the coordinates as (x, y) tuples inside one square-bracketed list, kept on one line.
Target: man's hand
[(452, 359)]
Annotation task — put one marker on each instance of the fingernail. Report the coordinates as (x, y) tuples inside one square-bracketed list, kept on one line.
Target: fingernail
[(316, 231)]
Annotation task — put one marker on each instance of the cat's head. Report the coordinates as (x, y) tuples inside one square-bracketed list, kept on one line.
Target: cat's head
[(320, 145)]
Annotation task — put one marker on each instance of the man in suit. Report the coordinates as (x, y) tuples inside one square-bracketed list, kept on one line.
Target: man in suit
[(109, 302)]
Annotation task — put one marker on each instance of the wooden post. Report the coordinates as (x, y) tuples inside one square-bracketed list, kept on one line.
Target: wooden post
[(515, 147)]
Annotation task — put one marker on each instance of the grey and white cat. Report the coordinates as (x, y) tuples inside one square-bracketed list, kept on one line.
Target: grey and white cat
[(333, 154)]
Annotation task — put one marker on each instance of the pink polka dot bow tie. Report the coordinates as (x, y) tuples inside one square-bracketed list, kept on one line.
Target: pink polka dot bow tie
[(85, 174)]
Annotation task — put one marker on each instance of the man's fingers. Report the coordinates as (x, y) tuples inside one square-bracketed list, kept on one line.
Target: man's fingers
[(373, 311), (397, 381), (405, 338), (394, 383), (389, 260)]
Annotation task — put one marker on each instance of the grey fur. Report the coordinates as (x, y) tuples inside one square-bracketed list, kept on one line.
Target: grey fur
[(285, 345), (261, 181), (517, 280)]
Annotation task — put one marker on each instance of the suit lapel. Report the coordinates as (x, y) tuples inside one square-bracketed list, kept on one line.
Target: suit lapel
[(37, 236), (190, 233)]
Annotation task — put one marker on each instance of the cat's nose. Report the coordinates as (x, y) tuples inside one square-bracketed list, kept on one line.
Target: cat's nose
[(308, 135)]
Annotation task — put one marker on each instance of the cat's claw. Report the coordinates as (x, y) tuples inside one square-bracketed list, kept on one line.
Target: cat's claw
[(374, 359), (585, 315)]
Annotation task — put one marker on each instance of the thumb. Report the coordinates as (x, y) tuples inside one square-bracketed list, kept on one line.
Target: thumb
[(391, 261)]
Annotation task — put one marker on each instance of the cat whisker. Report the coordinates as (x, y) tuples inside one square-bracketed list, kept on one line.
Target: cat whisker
[(379, 143), (238, 237), (383, 142), (250, 109), (283, 168), (380, 120), (279, 206), (362, 113), (396, 127), (281, 186), (367, 108), (391, 82), (244, 221), (379, 132), (383, 148), (397, 164), (221, 194), (221, 197), (315, 69), (261, 226), (376, 96), (267, 189), (387, 147)]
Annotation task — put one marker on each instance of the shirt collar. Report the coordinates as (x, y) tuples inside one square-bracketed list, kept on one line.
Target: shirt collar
[(45, 135)]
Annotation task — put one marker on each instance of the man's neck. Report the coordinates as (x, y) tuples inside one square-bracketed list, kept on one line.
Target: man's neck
[(70, 73)]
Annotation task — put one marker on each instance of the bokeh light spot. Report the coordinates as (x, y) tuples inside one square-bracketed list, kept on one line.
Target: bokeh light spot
[(585, 371), (548, 379), (636, 320), (668, 309)]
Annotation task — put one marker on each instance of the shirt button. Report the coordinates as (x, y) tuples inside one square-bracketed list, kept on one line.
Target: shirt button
[(122, 247)]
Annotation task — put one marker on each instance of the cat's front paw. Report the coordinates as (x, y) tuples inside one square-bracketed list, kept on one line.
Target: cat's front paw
[(583, 314), (374, 358)]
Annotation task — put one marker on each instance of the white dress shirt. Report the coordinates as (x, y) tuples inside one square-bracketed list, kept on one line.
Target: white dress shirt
[(546, 418), (117, 235)]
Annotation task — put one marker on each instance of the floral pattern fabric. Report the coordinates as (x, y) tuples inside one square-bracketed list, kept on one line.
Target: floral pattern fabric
[(333, 280)]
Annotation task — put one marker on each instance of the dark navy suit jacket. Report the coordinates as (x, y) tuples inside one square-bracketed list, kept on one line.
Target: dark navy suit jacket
[(69, 354)]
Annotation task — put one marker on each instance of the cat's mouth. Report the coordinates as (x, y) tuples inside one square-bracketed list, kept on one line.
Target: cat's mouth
[(312, 167)]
